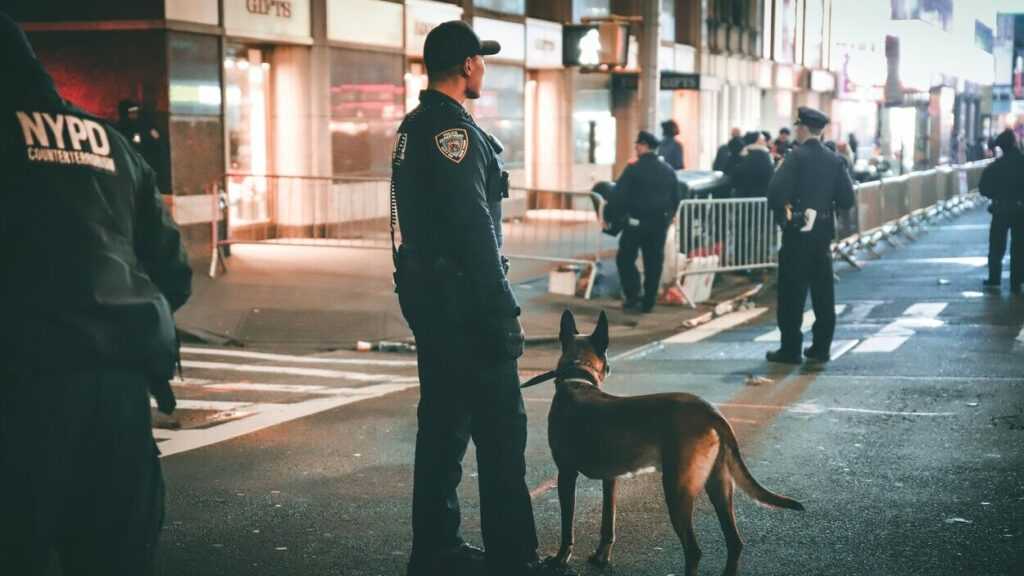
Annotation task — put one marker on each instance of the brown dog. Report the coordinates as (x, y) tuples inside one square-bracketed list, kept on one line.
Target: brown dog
[(604, 436)]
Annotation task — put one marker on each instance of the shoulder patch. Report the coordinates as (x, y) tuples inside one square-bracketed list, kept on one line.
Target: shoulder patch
[(453, 144)]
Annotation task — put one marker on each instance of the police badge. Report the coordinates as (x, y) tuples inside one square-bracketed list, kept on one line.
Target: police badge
[(453, 144)]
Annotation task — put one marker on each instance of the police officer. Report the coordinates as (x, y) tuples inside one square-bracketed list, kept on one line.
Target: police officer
[(449, 182), (93, 267), (647, 192), (146, 139), (805, 193)]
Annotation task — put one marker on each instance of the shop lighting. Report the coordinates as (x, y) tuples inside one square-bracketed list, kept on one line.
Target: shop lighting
[(243, 64), (229, 63), (265, 65)]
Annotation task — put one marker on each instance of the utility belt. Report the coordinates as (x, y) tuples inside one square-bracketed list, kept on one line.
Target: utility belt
[(805, 220)]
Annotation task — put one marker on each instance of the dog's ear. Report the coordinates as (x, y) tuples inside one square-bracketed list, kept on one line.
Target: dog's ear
[(568, 331), (599, 339)]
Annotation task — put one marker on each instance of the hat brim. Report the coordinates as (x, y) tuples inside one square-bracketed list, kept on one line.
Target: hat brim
[(489, 48)]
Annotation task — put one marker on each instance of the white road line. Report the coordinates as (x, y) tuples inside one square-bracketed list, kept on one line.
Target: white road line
[(294, 359), (217, 405), (1020, 337), (715, 326), (810, 408), (840, 347), (294, 371), (254, 387), (178, 441), (896, 333), (859, 311), (808, 322)]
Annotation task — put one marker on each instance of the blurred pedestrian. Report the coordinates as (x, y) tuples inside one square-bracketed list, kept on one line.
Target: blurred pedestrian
[(805, 193), (854, 144), (751, 177), (147, 140), (844, 152), (782, 145), (453, 290), (670, 149), (93, 268), (727, 153), (647, 192), (1001, 182)]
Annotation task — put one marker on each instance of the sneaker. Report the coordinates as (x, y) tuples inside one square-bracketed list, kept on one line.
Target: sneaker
[(783, 357), (812, 353)]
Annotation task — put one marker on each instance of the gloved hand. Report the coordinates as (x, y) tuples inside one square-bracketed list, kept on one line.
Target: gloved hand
[(512, 338), (161, 391)]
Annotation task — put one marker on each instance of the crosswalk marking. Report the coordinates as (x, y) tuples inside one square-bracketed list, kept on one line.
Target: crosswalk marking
[(859, 311), (227, 353), (715, 326), (292, 370), (217, 405), (177, 441), (840, 347), (808, 322), (896, 333)]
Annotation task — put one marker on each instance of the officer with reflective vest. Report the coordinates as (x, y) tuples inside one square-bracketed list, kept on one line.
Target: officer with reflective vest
[(92, 269), (448, 181), (809, 187)]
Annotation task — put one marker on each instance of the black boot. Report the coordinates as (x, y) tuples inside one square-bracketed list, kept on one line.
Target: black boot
[(783, 357)]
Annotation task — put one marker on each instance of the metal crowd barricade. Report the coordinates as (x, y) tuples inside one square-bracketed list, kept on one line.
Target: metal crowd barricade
[(557, 226), (722, 235), (354, 212)]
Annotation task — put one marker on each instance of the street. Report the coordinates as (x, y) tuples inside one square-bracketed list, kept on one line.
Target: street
[(905, 449)]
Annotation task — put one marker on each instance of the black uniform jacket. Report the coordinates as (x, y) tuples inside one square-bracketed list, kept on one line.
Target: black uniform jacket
[(753, 172), (647, 190), (91, 261), (811, 176), (1003, 182), (449, 183)]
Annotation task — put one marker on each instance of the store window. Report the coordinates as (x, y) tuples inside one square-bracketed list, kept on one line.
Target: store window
[(592, 121), (504, 6), (247, 108), (500, 110), (590, 8), (668, 20), (785, 31), (196, 131), (814, 33), (367, 105)]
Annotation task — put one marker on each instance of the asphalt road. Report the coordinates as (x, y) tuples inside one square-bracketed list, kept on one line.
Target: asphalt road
[(906, 450)]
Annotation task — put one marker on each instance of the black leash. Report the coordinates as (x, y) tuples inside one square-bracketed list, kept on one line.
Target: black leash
[(540, 378)]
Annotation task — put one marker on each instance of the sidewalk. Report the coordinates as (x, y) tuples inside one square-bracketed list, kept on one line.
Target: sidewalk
[(306, 299)]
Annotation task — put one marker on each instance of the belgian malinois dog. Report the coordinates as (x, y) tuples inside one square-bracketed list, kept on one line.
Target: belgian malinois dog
[(604, 436)]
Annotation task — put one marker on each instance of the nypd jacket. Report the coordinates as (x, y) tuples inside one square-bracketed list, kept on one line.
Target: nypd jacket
[(646, 190), (449, 182), (92, 263), (812, 176)]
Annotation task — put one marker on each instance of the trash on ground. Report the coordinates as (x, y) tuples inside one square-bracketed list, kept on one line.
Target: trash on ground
[(385, 346), (943, 281), (958, 520), (973, 404), (757, 380)]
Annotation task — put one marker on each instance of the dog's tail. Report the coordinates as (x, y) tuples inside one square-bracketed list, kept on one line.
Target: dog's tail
[(741, 474)]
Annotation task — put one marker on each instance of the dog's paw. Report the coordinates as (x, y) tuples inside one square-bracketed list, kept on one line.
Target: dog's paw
[(556, 565)]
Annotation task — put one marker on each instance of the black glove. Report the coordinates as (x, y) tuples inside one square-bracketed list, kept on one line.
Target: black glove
[(511, 337)]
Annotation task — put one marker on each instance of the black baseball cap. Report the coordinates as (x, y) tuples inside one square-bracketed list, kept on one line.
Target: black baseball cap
[(451, 42)]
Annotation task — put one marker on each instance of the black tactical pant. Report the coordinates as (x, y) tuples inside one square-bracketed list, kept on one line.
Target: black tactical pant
[(1003, 225), (649, 242), (79, 473), (467, 391), (805, 263)]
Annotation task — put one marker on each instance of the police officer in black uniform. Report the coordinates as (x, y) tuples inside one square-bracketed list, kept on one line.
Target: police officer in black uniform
[(805, 193), (448, 179), (92, 268), (647, 193)]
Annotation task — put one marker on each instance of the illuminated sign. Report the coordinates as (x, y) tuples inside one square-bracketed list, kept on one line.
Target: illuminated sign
[(679, 81), (279, 8), (601, 46)]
